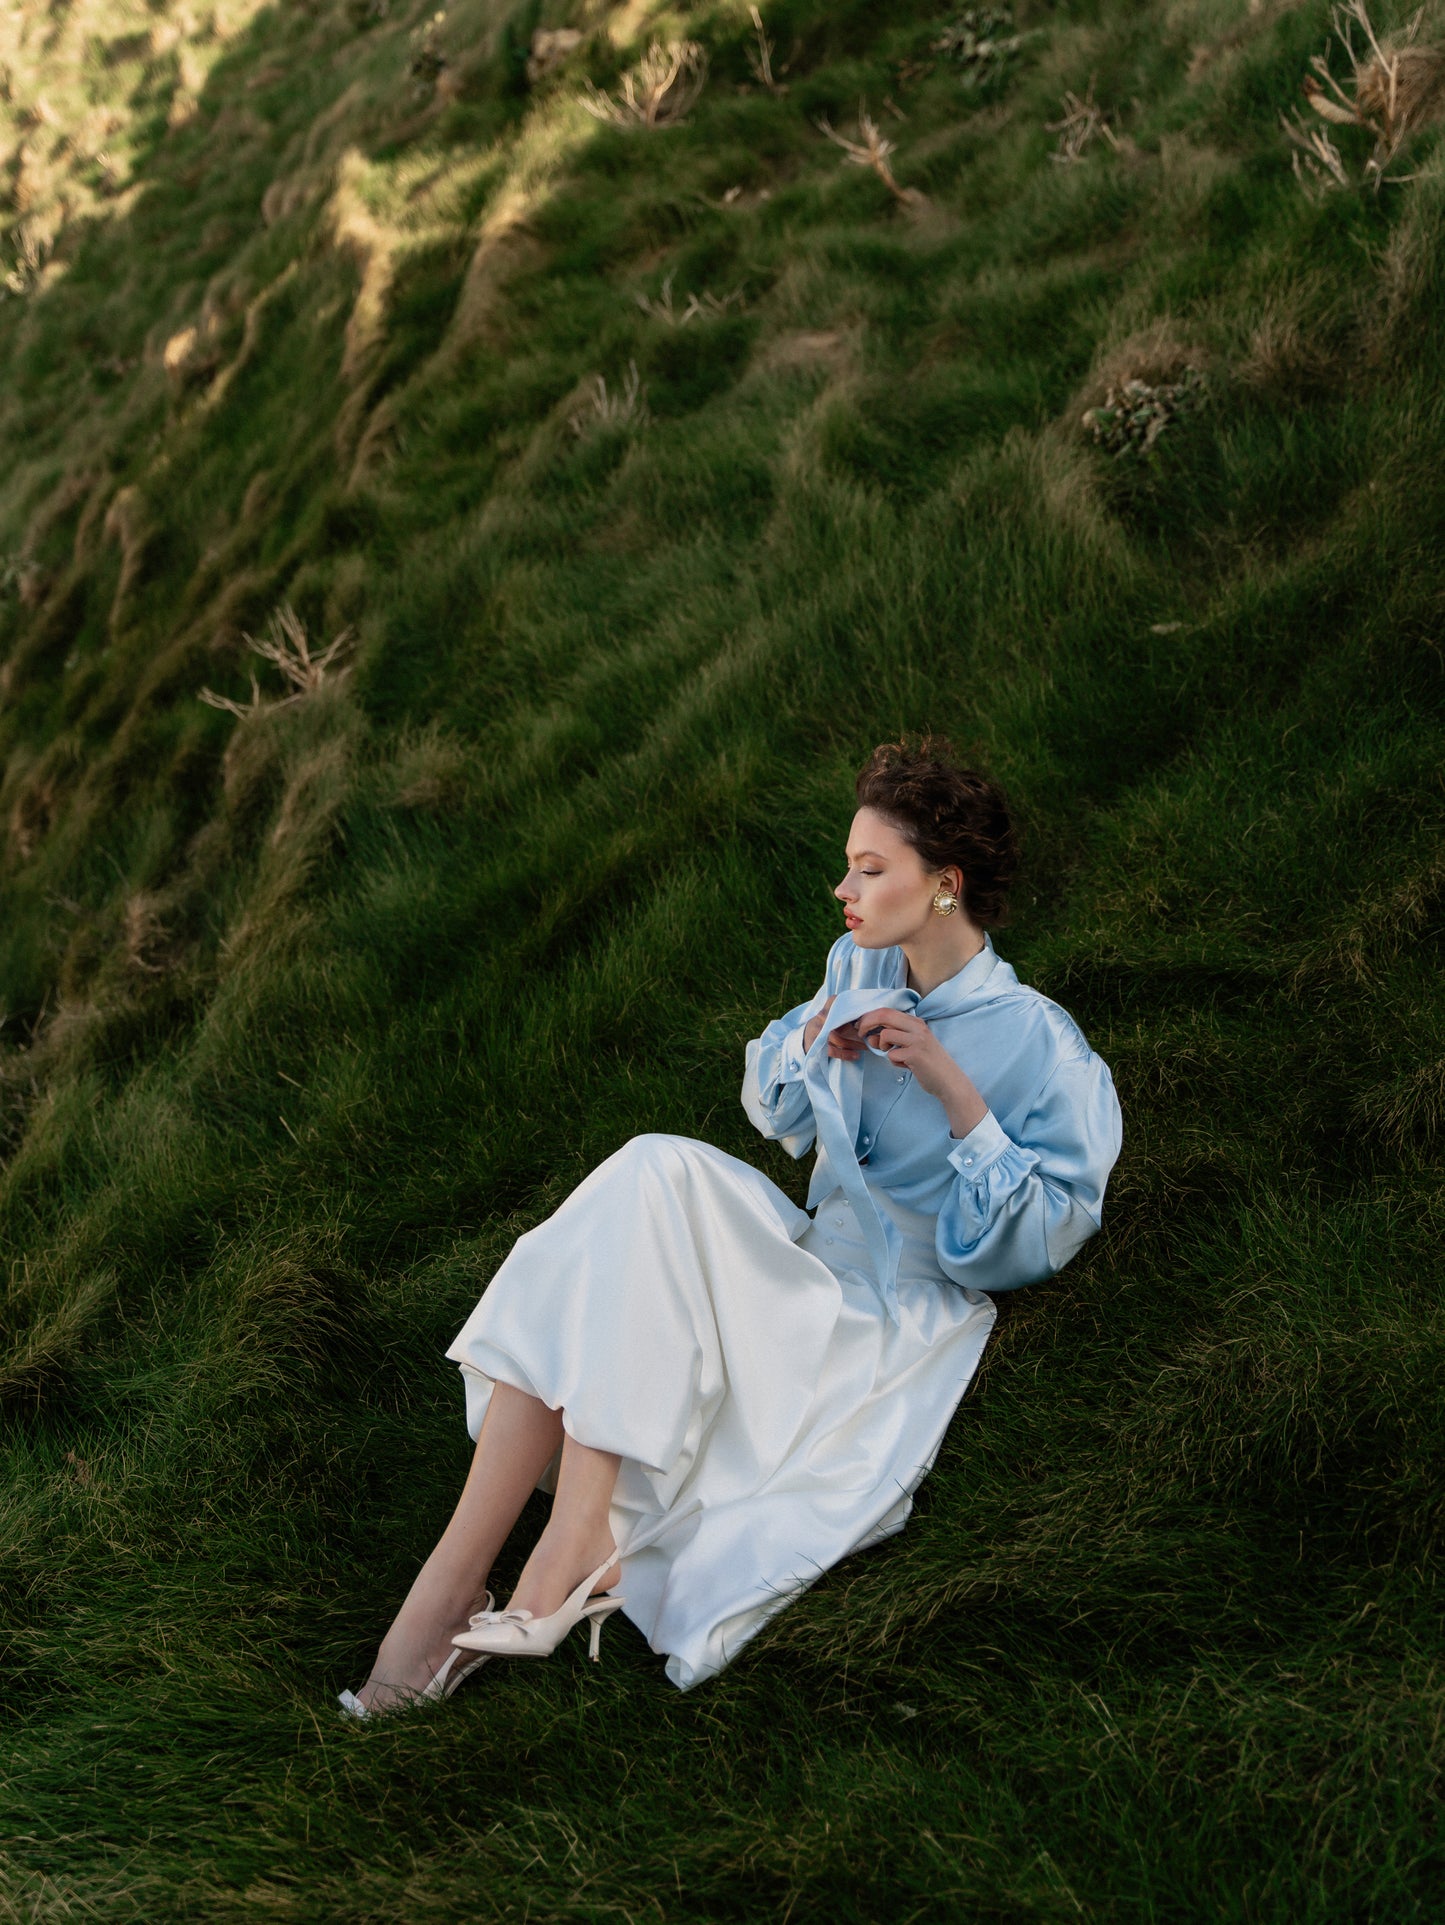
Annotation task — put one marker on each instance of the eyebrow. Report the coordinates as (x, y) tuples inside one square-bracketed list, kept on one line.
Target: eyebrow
[(864, 852)]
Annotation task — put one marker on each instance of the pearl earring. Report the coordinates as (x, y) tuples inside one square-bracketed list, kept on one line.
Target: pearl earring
[(944, 901)]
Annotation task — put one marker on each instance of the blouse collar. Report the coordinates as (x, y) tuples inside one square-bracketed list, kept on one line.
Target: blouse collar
[(950, 996)]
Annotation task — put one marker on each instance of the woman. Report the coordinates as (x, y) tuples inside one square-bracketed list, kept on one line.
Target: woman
[(725, 1394)]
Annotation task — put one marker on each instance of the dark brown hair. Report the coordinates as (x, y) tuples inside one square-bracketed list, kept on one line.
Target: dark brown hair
[(951, 816)]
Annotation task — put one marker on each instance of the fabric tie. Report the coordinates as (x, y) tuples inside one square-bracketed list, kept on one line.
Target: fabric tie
[(835, 1089)]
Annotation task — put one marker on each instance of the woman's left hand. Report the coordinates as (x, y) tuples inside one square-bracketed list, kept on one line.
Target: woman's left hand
[(912, 1045)]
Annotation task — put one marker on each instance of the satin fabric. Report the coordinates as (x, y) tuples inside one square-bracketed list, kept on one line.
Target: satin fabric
[(1005, 1206), (681, 1311), (776, 1385)]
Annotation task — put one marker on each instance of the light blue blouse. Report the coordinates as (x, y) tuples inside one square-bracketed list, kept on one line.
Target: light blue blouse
[(1006, 1205)]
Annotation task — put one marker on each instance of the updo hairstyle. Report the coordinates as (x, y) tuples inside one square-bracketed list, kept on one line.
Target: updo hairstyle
[(950, 815)]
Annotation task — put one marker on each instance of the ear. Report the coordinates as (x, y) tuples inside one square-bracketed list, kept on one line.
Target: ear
[(952, 880)]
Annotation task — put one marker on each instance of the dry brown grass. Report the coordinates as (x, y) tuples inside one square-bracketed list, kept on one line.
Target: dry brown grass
[(144, 935), (1288, 354), (30, 250), (31, 814), (760, 57), (290, 192), (604, 407), (1376, 931), (659, 91), (1394, 87), (431, 772), (356, 231), (128, 522), (1082, 123), (1407, 1108), (873, 150), (804, 349), (53, 1343), (505, 248), (287, 647), (704, 306)]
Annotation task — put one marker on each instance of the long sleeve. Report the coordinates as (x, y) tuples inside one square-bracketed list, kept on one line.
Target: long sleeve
[(773, 1094), (1018, 1210)]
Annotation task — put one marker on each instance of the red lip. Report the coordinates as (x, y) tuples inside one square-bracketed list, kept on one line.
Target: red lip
[(852, 922)]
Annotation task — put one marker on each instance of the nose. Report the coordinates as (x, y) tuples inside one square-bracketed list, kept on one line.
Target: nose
[(844, 893)]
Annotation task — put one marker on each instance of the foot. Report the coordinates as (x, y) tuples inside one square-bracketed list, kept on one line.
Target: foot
[(556, 1567), (399, 1677), (412, 1652)]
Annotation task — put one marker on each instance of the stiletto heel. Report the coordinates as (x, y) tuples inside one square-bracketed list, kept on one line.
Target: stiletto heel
[(448, 1677), (517, 1634), (599, 1618)]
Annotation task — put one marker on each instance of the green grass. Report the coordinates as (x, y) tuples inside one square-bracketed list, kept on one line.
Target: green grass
[(307, 1017)]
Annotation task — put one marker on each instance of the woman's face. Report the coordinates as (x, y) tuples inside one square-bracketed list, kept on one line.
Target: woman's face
[(887, 894)]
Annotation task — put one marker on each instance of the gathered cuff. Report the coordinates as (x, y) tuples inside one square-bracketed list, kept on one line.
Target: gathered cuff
[(986, 1142), (792, 1057)]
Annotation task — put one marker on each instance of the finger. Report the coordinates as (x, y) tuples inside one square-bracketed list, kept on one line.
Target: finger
[(871, 1029), (897, 1019)]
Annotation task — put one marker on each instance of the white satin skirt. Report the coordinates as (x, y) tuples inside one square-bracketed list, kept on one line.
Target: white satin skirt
[(679, 1310)]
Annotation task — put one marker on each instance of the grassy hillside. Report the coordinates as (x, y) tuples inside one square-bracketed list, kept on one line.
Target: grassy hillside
[(643, 477)]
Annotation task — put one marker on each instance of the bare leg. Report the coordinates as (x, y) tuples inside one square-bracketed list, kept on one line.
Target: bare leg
[(578, 1534), (519, 1436)]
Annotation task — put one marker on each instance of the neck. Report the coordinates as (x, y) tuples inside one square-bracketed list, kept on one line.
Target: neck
[(940, 951)]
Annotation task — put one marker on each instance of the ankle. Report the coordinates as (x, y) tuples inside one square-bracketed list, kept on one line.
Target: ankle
[(560, 1560), (578, 1547), (431, 1616)]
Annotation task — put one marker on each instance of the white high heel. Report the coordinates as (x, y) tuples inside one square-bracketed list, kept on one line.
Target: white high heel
[(517, 1634), (445, 1681)]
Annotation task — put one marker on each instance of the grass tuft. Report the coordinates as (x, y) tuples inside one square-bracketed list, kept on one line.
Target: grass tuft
[(661, 90)]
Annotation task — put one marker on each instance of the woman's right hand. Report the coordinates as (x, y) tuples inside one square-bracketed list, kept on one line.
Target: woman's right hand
[(815, 1023), (845, 1042)]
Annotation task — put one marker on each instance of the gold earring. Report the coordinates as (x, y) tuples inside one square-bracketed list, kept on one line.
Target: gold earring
[(944, 901)]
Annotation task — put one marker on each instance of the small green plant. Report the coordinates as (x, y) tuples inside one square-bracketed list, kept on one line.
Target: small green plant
[(984, 43), (1135, 413)]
